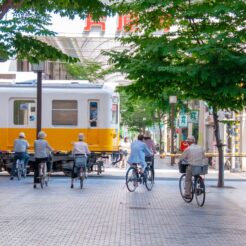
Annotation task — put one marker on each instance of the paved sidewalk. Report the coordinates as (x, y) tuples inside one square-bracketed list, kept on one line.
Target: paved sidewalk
[(105, 213), (164, 171)]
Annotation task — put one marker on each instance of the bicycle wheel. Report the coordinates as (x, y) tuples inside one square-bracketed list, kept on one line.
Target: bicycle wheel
[(46, 179), (81, 177), (131, 179), (24, 173), (23, 169), (149, 178), (42, 181), (182, 189), (18, 169), (200, 191), (41, 176)]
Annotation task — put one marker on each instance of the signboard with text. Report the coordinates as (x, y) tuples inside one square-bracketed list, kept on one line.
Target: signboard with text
[(183, 120), (193, 116)]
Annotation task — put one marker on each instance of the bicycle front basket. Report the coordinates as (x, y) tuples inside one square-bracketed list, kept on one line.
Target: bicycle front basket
[(182, 166), (199, 170)]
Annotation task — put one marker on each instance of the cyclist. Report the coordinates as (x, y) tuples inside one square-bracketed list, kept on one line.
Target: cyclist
[(138, 152), (194, 155), (150, 143), (42, 150), (80, 148), (20, 148)]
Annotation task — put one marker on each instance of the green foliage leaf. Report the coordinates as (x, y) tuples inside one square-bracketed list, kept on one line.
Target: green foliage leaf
[(31, 18), (88, 70), (203, 57)]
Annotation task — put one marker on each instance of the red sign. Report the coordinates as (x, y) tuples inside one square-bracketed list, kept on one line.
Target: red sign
[(122, 22), (90, 23)]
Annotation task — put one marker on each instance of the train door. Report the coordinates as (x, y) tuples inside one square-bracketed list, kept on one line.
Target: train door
[(93, 122)]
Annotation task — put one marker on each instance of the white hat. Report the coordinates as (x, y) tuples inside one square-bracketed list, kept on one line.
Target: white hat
[(81, 136), (22, 135), (191, 139), (147, 134), (42, 134)]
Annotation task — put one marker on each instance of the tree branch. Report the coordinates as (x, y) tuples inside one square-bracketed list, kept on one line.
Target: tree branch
[(193, 27), (9, 4)]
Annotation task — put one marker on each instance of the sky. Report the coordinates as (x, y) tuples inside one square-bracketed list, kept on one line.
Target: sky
[(65, 27)]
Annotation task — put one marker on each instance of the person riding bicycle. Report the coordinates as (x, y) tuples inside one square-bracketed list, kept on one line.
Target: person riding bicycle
[(20, 152), (150, 143), (80, 148), (194, 155), (138, 152), (42, 150)]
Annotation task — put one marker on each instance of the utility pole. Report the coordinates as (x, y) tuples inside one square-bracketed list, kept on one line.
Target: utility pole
[(39, 68), (172, 101)]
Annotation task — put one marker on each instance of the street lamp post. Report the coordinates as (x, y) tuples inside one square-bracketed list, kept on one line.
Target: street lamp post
[(172, 101), (39, 68)]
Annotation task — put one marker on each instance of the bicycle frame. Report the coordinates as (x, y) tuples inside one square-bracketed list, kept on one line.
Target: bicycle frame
[(81, 174)]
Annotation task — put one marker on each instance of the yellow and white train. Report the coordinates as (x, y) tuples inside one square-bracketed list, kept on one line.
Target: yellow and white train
[(68, 108)]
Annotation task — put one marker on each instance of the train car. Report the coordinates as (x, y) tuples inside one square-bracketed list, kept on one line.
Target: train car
[(68, 108)]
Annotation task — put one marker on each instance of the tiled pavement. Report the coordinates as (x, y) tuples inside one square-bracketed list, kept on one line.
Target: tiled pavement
[(104, 213)]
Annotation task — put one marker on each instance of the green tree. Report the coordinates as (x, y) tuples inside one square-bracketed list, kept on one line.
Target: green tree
[(136, 114), (21, 22), (139, 112), (201, 57), (88, 70)]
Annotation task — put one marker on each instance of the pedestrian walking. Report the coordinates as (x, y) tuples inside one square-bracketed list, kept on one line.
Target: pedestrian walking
[(125, 147)]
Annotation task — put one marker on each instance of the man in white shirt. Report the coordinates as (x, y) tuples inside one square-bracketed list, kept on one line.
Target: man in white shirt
[(81, 149), (20, 152), (194, 155)]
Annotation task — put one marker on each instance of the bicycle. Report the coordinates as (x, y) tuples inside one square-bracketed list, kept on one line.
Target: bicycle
[(20, 168), (134, 176), (198, 185), (150, 160), (43, 175), (80, 165)]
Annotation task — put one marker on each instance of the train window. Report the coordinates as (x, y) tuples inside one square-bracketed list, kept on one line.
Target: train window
[(64, 112), (115, 113), (24, 112), (93, 113)]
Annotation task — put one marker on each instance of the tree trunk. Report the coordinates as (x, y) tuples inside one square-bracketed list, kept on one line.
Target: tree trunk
[(160, 140), (220, 150)]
